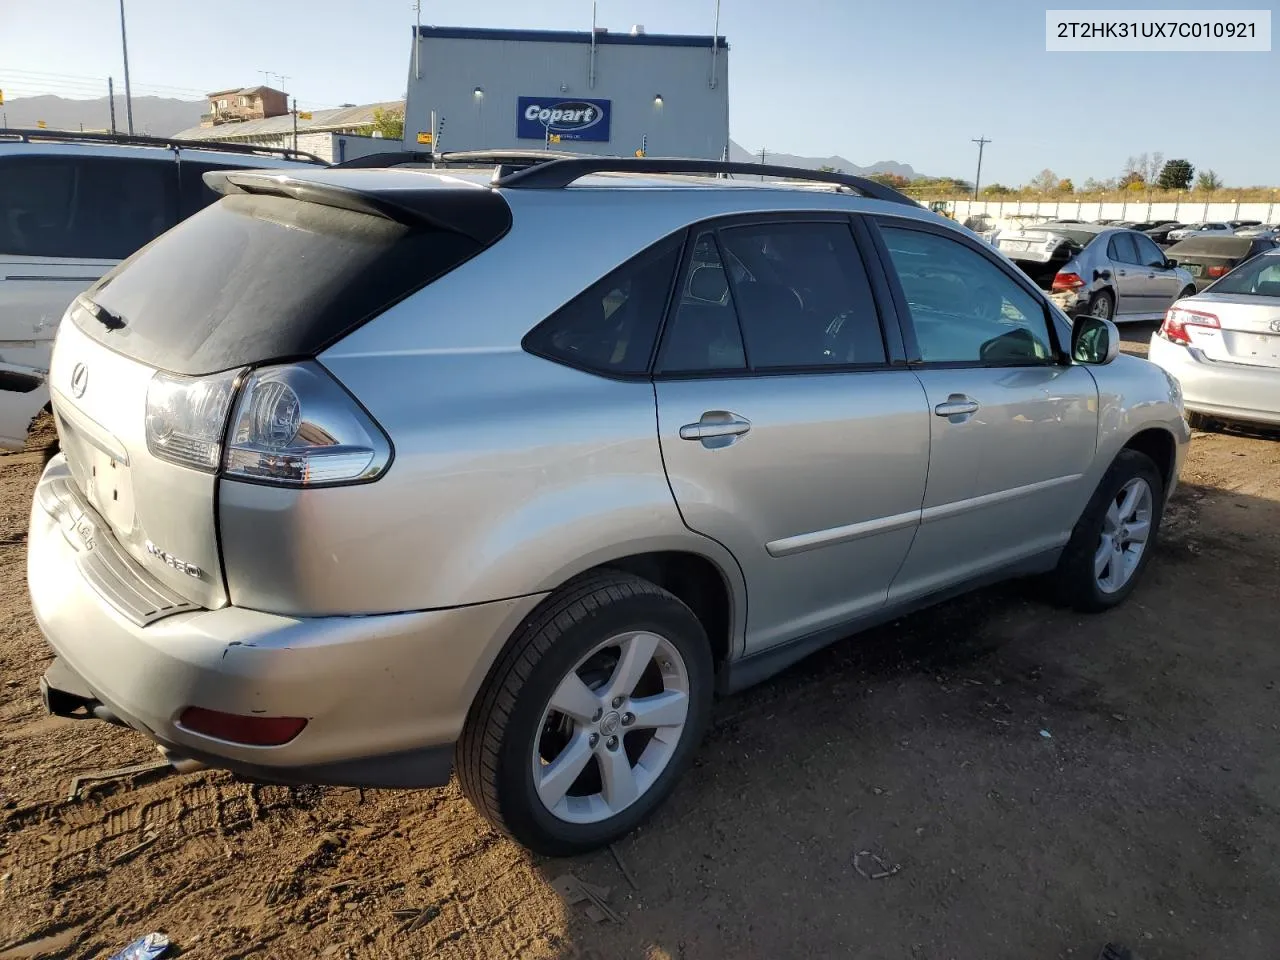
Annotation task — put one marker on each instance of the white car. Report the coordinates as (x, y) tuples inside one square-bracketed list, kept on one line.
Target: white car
[(72, 206), (1265, 230), (1223, 345), (1214, 229)]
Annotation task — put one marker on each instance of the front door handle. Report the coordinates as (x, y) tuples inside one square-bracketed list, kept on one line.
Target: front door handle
[(1122, 273), (716, 428), (956, 406)]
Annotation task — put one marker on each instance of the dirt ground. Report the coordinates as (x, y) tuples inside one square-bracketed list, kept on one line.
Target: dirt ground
[(1034, 782)]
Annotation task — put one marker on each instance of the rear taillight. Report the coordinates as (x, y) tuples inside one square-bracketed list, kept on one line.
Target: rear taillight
[(1216, 272), (1067, 281), (186, 417), (294, 426), (251, 731), (290, 425), (1177, 321)]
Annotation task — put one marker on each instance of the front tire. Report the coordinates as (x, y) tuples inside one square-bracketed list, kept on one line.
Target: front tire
[(590, 717), (1112, 541)]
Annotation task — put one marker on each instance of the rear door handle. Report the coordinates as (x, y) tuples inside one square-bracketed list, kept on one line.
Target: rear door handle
[(956, 405), (1122, 273), (716, 425)]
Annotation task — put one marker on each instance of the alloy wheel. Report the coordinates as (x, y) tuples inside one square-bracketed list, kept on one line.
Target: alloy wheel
[(611, 727), (1126, 528)]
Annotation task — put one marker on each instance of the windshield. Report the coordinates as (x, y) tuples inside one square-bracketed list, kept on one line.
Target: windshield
[(1259, 277)]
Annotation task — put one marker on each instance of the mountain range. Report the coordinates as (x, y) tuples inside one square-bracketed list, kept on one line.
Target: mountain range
[(162, 117), (154, 116), (740, 153)]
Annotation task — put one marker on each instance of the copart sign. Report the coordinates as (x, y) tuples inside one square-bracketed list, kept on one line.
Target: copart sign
[(571, 119)]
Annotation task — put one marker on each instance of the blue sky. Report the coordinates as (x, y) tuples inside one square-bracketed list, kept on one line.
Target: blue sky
[(908, 80)]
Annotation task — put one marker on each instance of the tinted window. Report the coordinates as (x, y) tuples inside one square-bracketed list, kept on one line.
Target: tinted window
[(802, 295), (610, 327), (255, 278), (1148, 253), (1259, 277), (90, 207), (703, 332), (963, 307), (1120, 248)]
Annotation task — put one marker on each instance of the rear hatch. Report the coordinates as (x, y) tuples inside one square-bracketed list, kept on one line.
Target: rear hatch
[(277, 270)]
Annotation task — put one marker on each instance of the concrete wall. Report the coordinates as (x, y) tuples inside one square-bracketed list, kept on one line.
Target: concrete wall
[(1186, 211), (692, 119)]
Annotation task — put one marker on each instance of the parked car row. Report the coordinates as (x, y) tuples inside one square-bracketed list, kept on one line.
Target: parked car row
[(72, 206), (366, 477)]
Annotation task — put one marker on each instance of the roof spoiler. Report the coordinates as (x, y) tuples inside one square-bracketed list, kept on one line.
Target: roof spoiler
[(477, 213)]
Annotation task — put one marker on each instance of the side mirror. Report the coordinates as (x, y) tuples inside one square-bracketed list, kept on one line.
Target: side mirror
[(1094, 340), (1170, 263)]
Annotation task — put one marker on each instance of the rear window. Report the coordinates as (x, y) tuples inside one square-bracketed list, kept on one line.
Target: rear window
[(1259, 277), (88, 208), (255, 278)]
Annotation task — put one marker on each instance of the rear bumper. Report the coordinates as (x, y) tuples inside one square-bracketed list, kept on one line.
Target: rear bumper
[(1234, 391), (385, 696)]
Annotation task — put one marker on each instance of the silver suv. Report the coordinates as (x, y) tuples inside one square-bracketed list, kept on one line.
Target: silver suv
[(368, 474)]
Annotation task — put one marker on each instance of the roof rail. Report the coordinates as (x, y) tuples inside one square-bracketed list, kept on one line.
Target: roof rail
[(137, 140), (559, 173)]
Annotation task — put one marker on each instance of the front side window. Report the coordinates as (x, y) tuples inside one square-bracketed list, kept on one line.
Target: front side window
[(1148, 253), (611, 327), (84, 207), (964, 308)]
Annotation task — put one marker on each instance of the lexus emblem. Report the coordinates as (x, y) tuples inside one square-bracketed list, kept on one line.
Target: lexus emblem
[(79, 380), (1275, 325)]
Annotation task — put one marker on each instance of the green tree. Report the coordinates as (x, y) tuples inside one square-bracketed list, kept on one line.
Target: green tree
[(1066, 186), (1132, 179), (825, 168), (897, 181), (389, 123), (997, 190), (1208, 180), (1175, 175)]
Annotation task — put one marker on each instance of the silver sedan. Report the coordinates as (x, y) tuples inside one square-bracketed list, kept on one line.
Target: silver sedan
[(1223, 345)]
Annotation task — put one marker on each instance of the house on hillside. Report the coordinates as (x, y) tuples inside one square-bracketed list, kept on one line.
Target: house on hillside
[(244, 103), (343, 133)]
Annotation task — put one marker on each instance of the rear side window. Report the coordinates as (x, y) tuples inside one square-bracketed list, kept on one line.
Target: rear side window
[(611, 326), (256, 278), (803, 297), (702, 334), (96, 208), (1121, 249)]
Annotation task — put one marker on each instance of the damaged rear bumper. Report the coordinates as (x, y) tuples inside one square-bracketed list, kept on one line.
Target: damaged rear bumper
[(385, 697)]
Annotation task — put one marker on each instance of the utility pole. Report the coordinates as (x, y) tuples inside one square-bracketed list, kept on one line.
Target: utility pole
[(981, 142), (417, 40), (111, 100), (762, 163), (128, 94), (295, 123)]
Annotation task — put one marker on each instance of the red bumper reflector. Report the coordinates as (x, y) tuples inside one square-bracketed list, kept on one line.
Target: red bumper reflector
[(233, 727)]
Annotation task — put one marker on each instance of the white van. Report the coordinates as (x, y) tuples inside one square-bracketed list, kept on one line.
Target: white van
[(72, 206)]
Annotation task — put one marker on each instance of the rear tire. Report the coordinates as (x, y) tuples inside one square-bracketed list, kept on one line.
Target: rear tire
[(1103, 304), (1101, 564), (1198, 421), (1188, 292), (516, 732)]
